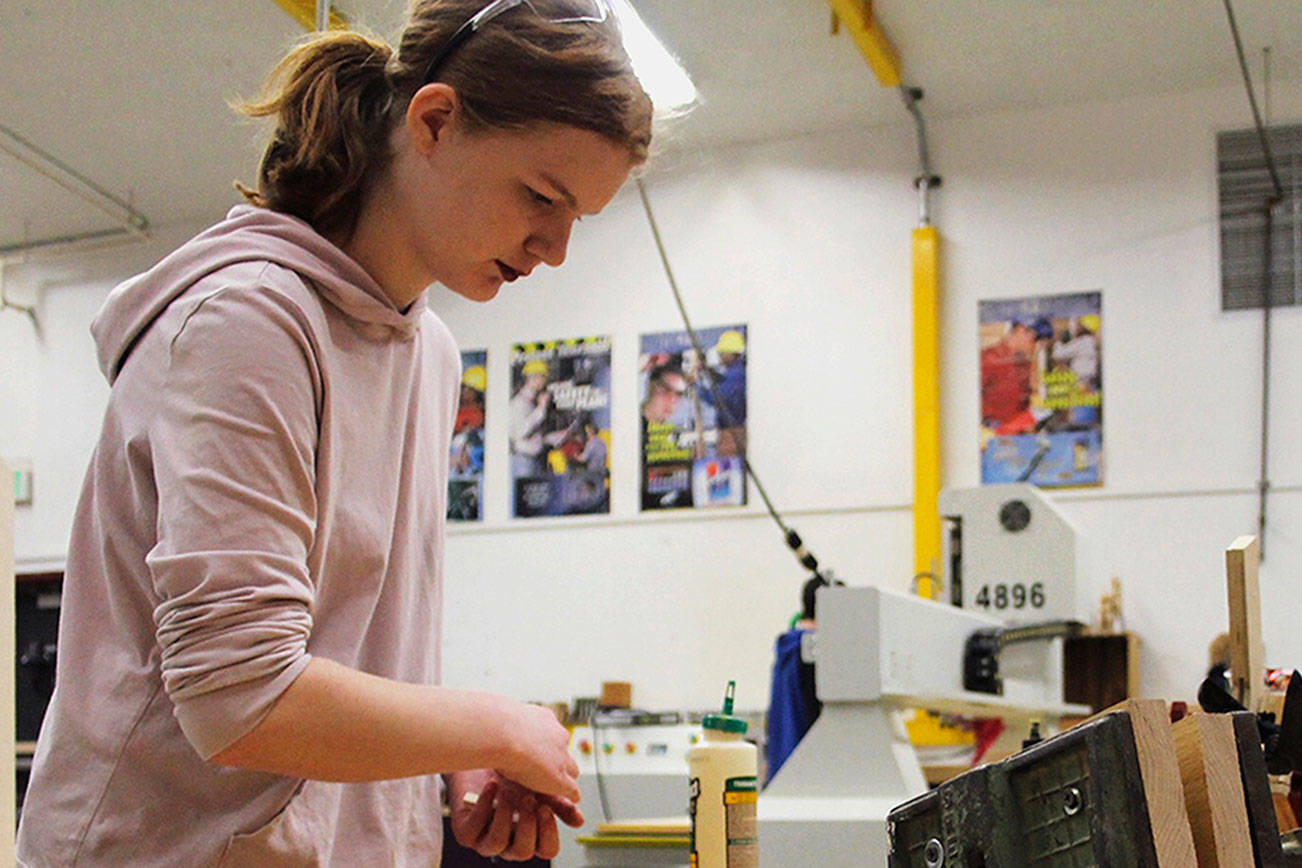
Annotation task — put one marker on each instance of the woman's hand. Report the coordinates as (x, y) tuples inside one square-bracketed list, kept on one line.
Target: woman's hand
[(537, 753), (497, 817)]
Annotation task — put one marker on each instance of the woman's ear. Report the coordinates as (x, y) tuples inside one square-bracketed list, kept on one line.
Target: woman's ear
[(430, 114)]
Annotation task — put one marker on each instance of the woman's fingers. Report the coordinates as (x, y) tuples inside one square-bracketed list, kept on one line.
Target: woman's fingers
[(549, 842), (565, 811), (497, 838), (470, 821), (525, 838)]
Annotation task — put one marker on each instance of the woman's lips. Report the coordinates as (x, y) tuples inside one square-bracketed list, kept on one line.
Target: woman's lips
[(508, 273)]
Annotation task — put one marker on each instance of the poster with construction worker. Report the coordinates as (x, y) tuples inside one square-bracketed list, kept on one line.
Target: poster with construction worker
[(560, 427), (1042, 390), (466, 479), (693, 406)]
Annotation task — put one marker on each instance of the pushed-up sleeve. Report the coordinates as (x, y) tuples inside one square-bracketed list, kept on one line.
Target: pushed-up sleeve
[(233, 443)]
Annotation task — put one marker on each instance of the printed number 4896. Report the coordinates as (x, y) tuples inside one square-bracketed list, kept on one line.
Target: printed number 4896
[(1016, 596)]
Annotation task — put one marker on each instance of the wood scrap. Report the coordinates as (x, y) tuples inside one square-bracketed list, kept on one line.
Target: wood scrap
[(1213, 790)]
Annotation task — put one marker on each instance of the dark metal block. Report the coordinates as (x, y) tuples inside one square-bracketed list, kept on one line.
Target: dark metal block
[(1073, 800)]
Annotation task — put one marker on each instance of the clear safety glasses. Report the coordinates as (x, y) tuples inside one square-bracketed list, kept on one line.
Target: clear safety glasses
[(562, 12)]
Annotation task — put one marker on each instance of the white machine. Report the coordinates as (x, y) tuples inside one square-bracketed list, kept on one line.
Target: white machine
[(876, 652), (1009, 552), (1011, 559)]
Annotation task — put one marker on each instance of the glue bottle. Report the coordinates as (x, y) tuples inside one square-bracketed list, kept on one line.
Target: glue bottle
[(723, 793)]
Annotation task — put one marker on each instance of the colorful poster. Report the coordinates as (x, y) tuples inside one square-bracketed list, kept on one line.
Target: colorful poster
[(560, 427), (693, 419), (466, 479), (1042, 390)]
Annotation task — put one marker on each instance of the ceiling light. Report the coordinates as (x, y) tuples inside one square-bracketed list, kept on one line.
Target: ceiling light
[(661, 75)]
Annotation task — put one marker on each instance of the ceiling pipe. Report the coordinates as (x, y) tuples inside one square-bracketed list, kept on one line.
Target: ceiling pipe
[(133, 225), (928, 179)]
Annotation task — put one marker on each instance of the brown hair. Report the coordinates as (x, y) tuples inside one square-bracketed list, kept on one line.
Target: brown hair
[(337, 96)]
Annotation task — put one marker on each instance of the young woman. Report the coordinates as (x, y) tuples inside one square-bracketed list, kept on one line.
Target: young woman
[(248, 655)]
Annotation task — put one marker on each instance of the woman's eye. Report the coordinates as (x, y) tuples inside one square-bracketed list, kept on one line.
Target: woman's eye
[(539, 197)]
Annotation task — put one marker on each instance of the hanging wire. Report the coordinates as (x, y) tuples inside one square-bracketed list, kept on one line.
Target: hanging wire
[(793, 540), (1252, 101), (1267, 281)]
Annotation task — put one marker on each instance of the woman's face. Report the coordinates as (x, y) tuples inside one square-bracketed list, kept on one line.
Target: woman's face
[(486, 208)]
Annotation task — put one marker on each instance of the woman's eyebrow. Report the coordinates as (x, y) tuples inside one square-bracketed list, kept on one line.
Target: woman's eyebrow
[(560, 188)]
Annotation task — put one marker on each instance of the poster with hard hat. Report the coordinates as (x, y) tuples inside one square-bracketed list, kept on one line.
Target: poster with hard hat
[(466, 476), (692, 400), (1042, 390), (560, 427)]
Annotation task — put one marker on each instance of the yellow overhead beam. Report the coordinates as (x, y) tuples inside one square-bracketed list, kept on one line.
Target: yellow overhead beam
[(304, 12), (926, 410), (857, 18)]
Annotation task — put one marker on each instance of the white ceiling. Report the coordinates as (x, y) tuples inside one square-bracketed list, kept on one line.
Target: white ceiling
[(133, 93)]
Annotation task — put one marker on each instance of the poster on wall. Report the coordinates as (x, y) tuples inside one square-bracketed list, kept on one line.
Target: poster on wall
[(560, 427), (693, 436), (1042, 390), (466, 476)]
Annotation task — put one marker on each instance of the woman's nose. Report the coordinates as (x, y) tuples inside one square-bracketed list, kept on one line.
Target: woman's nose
[(550, 241)]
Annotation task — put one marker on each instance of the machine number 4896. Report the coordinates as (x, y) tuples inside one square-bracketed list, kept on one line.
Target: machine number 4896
[(1016, 596)]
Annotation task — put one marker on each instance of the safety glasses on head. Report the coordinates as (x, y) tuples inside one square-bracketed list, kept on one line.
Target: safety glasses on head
[(556, 11)]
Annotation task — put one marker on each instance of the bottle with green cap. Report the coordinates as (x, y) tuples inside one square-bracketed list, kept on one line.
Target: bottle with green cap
[(722, 768)]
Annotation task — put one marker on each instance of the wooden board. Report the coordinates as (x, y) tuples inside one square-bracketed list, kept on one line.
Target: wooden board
[(649, 826), (1242, 560), (1159, 769), (1213, 790), (8, 784), (1260, 807)]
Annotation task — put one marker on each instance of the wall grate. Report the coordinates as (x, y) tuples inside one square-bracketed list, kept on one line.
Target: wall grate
[(1243, 183)]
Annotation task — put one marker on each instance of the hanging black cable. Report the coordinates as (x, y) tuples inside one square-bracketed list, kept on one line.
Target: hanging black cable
[(1267, 281), (1263, 481), (806, 558), (1252, 101)]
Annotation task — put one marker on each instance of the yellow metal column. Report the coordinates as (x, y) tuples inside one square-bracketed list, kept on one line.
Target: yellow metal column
[(857, 17), (926, 410)]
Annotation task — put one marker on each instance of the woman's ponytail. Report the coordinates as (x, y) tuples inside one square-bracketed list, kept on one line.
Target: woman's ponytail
[(331, 98), (337, 97)]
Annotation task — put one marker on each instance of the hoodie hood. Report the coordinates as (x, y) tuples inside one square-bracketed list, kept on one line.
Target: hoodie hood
[(248, 234)]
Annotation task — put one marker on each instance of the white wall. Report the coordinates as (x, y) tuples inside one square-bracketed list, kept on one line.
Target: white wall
[(807, 241), (52, 396)]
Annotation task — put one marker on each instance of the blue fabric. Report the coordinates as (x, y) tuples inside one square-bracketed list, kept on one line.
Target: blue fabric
[(793, 705), (731, 386)]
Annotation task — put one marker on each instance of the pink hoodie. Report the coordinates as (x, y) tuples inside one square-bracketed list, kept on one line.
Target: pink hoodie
[(270, 483)]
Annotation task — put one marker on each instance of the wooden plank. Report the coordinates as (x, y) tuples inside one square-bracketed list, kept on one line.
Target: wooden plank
[(1259, 805), (1132, 664), (8, 783), (1159, 770), (1242, 560), (650, 826), (1213, 790), (1284, 817)]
